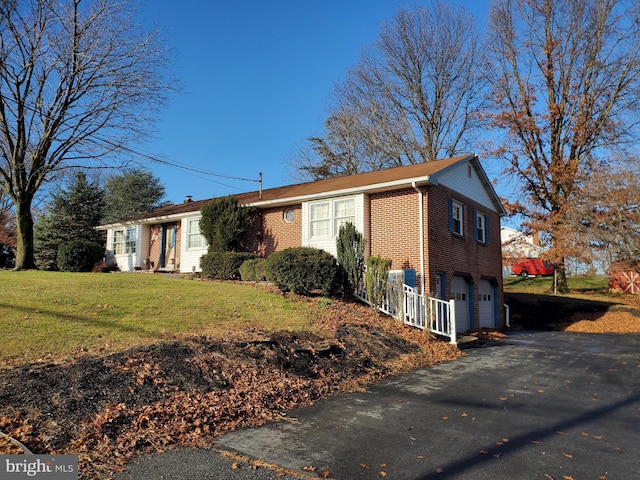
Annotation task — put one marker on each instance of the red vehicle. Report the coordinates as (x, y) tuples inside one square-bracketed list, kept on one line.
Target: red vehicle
[(532, 266)]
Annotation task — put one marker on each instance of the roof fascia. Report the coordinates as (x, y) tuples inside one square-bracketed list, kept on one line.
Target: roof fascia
[(376, 187)]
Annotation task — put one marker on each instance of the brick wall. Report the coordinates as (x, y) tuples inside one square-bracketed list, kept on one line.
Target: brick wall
[(452, 254), (275, 233)]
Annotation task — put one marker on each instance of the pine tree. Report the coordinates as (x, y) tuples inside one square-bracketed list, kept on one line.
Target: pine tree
[(71, 214)]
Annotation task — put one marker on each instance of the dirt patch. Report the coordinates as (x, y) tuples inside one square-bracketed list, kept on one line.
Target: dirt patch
[(110, 408)]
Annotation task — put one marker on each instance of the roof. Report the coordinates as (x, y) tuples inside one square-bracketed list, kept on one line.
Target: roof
[(382, 180)]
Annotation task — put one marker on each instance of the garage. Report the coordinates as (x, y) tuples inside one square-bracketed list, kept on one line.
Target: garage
[(486, 304), (460, 293)]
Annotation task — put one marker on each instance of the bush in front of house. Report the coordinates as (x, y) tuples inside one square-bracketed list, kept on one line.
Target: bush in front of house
[(254, 270), (224, 265), (376, 278), (350, 249), (304, 269), (79, 255)]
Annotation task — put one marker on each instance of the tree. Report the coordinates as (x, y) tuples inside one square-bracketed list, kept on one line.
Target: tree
[(78, 82), (413, 96), (133, 191), (225, 224), (7, 232), (350, 253), (71, 214), (605, 219), (565, 89)]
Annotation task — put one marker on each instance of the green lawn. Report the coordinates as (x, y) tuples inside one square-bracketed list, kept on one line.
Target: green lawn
[(541, 285), (53, 312)]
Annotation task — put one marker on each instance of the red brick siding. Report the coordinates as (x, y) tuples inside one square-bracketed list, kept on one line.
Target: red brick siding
[(394, 230), (452, 254), (276, 234)]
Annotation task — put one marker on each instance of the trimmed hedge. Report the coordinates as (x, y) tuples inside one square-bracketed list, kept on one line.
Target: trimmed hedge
[(79, 255), (254, 270), (304, 269), (224, 265)]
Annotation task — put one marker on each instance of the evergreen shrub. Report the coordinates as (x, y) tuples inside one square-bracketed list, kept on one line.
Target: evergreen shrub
[(79, 255), (304, 269), (254, 270), (224, 265)]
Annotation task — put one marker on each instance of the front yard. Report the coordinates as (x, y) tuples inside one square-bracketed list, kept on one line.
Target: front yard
[(110, 366)]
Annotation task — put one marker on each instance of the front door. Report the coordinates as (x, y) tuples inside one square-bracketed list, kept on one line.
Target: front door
[(168, 247)]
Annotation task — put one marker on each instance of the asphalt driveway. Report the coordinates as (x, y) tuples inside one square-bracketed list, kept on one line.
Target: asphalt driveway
[(549, 405)]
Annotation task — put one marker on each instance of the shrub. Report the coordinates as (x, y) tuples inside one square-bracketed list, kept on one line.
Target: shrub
[(224, 265), (376, 279), (225, 224), (79, 255), (254, 270), (304, 269), (350, 247), (104, 267)]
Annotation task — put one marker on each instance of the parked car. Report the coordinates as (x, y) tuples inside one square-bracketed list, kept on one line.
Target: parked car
[(532, 266)]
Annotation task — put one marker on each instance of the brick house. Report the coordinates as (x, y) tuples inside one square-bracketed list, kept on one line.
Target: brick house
[(439, 223)]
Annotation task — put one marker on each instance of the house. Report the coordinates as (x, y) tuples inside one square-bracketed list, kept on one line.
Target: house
[(517, 247), (439, 223)]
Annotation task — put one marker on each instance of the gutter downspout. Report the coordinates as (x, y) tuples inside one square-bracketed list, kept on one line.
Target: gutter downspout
[(421, 220)]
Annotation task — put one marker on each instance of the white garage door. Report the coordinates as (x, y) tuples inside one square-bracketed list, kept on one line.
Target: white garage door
[(460, 293), (485, 304)]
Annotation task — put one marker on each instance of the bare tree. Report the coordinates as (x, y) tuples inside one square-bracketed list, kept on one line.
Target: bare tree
[(78, 82), (565, 85), (413, 97)]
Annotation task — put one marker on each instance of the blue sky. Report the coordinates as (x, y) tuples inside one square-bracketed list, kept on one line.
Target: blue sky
[(256, 80)]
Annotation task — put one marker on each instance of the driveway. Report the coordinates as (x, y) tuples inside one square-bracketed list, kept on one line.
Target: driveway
[(548, 405)]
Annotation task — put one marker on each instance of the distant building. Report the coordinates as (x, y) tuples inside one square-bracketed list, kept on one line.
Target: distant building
[(517, 246)]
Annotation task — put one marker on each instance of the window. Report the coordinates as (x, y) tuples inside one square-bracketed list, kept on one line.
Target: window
[(455, 217), (481, 227), (344, 211), (289, 215), (320, 223), (194, 237), (124, 241), (325, 218)]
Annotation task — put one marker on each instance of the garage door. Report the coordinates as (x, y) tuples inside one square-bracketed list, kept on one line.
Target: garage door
[(460, 293), (486, 304)]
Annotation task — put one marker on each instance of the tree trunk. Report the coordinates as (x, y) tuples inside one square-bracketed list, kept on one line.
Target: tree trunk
[(561, 277), (25, 259)]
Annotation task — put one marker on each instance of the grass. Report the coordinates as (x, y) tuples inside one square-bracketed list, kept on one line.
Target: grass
[(594, 285), (45, 313)]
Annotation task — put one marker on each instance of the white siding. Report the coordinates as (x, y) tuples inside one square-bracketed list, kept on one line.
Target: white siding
[(189, 257), (328, 243), (469, 185)]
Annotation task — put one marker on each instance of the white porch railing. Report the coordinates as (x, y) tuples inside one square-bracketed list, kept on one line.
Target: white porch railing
[(416, 310)]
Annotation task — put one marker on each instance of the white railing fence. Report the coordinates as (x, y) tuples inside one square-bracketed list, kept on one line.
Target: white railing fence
[(404, 303)]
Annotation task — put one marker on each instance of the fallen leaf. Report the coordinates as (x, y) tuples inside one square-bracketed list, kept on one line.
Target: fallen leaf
[(540, 391), (597, 437), (503, 398), (567, 477), (560, 433), (383, 465), (445, 418), (584, 434), (383, 474), (439, 470), (484, 452), (363, 465), (325, 474), (537, 442), (310, 468), (420, 457), (235, 466), (568, 455), (464, 414)]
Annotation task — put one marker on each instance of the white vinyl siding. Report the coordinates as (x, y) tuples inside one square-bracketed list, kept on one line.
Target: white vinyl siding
[(459, 180), (192, 245)]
